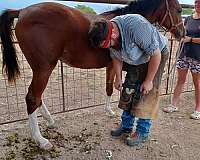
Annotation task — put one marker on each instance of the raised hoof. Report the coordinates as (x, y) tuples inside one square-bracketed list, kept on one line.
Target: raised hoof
[(46, 146), (110, 112)]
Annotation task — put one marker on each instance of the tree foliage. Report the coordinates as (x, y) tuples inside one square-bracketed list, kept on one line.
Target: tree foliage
[(187, 11), (85, 9)]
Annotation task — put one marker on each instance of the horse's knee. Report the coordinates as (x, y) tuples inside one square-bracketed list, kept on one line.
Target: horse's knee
[(31, 103)]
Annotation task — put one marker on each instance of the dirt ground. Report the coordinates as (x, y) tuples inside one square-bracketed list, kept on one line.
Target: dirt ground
[(85, 135)]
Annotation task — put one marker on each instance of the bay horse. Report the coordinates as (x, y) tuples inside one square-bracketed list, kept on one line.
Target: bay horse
[(48, 32)]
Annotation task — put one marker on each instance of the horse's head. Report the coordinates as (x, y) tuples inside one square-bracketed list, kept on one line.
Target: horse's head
[(167, 13), (170, 18)]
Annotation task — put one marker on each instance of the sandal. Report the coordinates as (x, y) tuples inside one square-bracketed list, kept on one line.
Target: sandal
[(195, 115), (170, 109)]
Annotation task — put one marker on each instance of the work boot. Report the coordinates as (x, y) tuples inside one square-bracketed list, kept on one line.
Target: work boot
[(116, 133), (136, 138)]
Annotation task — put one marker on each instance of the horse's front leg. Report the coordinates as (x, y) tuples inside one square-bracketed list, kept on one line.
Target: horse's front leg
[(110, 75)]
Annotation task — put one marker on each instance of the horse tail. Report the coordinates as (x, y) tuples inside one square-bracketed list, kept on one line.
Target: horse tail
[(10, 61)]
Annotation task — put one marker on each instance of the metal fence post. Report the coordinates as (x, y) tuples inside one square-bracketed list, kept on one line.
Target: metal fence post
[(63, 88)]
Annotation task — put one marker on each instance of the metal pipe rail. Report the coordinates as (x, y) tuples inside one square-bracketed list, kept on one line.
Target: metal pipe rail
[(118, 2)]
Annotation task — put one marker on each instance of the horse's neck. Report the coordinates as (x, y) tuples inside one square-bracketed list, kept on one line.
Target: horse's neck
[(91, 17), (110, 15), (135, 7)]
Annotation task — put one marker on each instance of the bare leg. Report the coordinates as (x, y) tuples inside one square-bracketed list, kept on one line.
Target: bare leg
[(47, 116), (182, 74), (109, 88), (196, 81)]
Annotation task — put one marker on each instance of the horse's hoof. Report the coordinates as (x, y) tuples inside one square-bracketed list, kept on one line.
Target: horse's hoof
[(52, 126), (110, 112), (46, 146)]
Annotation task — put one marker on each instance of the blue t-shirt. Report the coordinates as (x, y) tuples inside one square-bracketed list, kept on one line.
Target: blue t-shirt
[(139, 39), (191, 49)]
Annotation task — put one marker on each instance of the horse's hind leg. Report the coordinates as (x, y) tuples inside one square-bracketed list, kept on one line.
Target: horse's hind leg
[(47, 116), (33, 100)]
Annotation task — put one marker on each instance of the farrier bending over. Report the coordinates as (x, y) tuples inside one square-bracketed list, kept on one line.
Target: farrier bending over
[(136, 45)]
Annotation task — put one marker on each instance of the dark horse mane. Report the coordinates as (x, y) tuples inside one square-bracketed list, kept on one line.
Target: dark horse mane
[(143, 7)]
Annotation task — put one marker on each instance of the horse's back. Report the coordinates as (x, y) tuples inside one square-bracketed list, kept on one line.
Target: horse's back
[(57, 32), (53, 16), (43, 29)]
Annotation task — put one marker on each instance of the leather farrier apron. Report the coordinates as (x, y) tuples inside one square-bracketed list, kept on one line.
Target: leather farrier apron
[(142, 106)]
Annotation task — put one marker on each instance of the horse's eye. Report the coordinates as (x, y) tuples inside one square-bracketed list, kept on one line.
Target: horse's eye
[(179, 10)]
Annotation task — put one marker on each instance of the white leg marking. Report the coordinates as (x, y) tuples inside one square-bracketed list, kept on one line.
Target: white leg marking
[(108, 108), (47, 116), (35, 132)]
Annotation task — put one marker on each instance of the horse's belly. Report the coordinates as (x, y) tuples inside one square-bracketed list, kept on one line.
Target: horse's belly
[(85, 62)]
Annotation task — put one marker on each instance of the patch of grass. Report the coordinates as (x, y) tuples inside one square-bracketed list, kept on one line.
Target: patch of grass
[(10, 155), (30, 150), (12, 139)]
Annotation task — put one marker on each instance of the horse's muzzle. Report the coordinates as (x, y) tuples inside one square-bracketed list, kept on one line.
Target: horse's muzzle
[(179, 34)]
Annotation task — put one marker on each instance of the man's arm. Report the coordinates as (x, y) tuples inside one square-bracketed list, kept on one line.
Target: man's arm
[(117, 65), (153, 65), (195, 40), (190, 39)]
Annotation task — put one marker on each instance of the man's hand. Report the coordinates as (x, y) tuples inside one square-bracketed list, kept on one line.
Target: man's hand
[(187, 39), (118, 84), (146, 87)]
